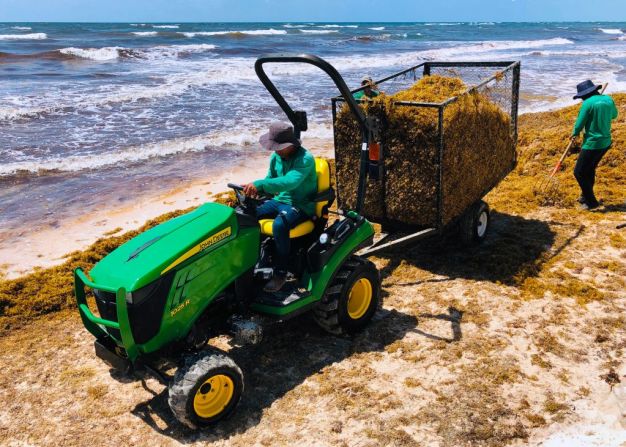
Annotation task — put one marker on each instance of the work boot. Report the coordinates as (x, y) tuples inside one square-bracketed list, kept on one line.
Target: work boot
[(276, 283), (586, 207), (581, 199)]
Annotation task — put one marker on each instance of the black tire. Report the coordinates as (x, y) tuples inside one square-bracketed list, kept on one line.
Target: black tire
[(333, 312), (193, 383), (474, 224)]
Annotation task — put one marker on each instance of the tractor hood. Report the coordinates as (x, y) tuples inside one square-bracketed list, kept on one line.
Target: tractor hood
[(147, 256)]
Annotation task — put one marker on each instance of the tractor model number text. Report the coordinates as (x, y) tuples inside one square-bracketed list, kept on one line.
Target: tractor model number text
[(179, 308)]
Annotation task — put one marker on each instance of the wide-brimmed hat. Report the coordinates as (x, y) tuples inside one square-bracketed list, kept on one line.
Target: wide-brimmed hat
[(367, 80), (279, 137), (585, 88)]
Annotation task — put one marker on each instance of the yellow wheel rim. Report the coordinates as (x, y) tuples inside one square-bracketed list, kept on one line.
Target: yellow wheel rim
[(213, 396), (360, 298)]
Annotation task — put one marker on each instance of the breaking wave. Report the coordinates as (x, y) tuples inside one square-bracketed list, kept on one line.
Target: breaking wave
[(611, 31), (31, 36), (112, 53), (98, 54), (337, 26), (134, 154), (318, 31), (258, 32), (145, 33)]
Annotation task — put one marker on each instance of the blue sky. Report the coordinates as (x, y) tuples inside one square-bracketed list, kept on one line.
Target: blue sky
[(310, 10)]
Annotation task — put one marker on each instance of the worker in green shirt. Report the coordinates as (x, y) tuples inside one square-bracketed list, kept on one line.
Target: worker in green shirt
[(292, 180), (370, 91), (595, 118)]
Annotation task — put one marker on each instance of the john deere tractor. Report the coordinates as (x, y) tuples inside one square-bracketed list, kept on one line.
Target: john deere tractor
[(165, 293)]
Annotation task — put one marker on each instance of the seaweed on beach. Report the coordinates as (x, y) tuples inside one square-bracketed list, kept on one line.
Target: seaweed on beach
[(478, 152), (543, 137)]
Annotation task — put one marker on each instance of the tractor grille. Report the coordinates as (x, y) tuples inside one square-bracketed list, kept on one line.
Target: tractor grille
[(105, 301), (146, 312)]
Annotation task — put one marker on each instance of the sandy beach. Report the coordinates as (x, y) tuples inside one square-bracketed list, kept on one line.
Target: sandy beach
[(517, 342)]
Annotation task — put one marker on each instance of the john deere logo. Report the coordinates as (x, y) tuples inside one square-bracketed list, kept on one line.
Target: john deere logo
[(211, 240), (215, 238)]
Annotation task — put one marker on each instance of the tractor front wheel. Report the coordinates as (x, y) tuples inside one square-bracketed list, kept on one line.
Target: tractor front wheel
[(206, 388), (352, 299)]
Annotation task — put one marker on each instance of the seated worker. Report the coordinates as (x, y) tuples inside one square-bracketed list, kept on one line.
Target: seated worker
[(370, 91), (292, 179)]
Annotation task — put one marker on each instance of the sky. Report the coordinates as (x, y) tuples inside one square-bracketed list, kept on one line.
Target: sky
[(310, 10)]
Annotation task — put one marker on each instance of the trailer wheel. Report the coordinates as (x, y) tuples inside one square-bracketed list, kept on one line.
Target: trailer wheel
[(352, 299), (206, 388), (475, 224)]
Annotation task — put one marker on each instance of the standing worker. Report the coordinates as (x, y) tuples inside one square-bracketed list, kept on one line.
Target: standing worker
[(595, 117)]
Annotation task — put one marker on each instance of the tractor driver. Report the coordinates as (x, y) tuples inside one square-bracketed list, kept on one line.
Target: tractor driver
[(292, 180)]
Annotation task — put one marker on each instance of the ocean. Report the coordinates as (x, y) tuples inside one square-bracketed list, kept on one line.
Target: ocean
[(94, 115)]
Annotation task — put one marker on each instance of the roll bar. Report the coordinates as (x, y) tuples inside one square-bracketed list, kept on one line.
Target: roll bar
[(369, 128)]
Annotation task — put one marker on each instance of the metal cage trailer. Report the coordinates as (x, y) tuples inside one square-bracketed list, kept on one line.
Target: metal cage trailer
[(499, 82)]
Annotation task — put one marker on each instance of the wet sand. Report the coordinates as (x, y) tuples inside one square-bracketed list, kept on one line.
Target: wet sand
[(45, 243)]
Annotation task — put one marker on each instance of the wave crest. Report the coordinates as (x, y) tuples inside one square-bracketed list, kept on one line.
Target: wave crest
[(31, 36), (96, 54), (612, 31), (233, 33)]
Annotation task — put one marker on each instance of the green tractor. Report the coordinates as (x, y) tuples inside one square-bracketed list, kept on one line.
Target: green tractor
[(162, 295)]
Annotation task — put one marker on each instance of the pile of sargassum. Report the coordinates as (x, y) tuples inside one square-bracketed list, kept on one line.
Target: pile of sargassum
[(478, 151)]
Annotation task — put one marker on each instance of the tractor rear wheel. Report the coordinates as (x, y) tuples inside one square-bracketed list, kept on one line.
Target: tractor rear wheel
[(352, 298), (206, 388)]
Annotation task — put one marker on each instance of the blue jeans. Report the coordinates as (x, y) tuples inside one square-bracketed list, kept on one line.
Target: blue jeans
[(285, 218)]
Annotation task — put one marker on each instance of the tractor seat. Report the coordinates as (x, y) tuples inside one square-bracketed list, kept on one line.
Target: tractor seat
[(323, 200)]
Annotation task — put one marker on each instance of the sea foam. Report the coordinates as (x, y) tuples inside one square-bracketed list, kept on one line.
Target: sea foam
[(95, 54), (318, 31), (31, 36), (258, 32), (612, 31)]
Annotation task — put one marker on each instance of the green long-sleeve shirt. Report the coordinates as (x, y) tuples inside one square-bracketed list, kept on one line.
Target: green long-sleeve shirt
[(595, 117), (293, 180)]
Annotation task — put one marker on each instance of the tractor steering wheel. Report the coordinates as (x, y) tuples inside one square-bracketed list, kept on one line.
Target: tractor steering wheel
[(246, 203), (241, 197)]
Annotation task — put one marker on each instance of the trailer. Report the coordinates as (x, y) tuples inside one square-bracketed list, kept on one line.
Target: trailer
[(497, 81)]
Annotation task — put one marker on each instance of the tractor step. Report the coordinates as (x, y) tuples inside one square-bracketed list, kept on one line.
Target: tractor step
[(282, 298)]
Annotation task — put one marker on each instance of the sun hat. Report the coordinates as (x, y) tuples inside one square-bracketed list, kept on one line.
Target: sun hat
[(585, 88), (367, 80), (280, 136)]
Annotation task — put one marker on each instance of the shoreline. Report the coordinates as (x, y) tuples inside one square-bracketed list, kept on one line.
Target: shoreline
[(24, 252)]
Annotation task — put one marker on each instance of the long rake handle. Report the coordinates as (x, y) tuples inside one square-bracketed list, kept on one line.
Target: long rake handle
[(560, 162), (569, 146)]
